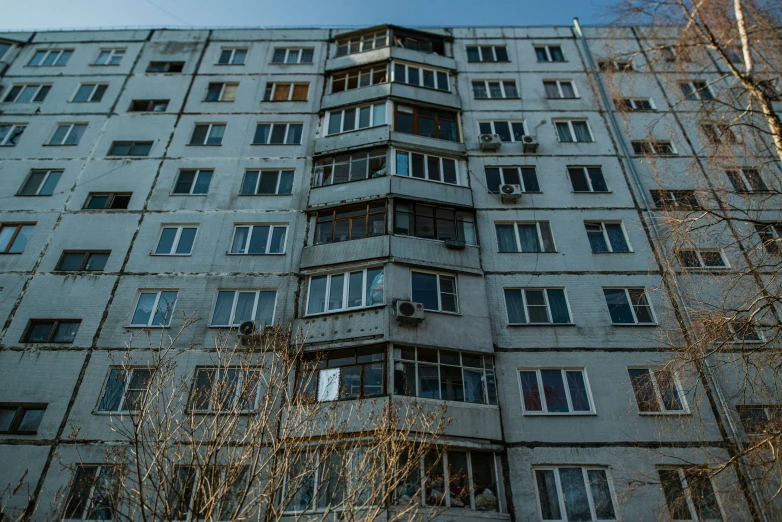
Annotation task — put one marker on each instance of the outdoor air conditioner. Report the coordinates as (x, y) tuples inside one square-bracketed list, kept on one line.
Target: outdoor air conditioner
[(530, 143), (455, 244), (409, 312), (250, 332), (490, 142), (510, 193)]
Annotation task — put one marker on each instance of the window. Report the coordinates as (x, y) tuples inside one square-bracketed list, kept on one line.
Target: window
[(94, 493), (14, 236), (148, 106), (356, 118), (221, 91), (634, 104), (525, 177), (718, 133), (689, 494), (233, 307), (419, 42), (506, 130), (488, 89), (696, 90), (756, 419), (130, 148), (471, 479), (124, 390), (487, 53), (165, 67), (628, 306), (259, 239), (68, 134), (108, 201), (587, 179), (10, 134), (348, 373), (656, 391), (87, 260), (51, 331), (110, 57), (746, 180), (560, 89), (675, 199), (525, 237), (208, 134), (573, 131), (365, 42), (192, 488), (40, 183), (356, 78), (90, 92), (444, 374), (537, 306), (549, 53), (769, 88), (351, 222), (607, 237), (428, 167), (701, 259), (668, 53), (51, 58), (740, 331), (437, 292), (21, 419), (615, 65), (653, 148), (431, 222), (176, 240), (770, 234), (734, 54), (569, 493), (4, 47), (225, 389), (267, 182), (291, 55), (345, 290), (193, 182), (154, 308), (278, 134), (427, 122), (28, 93), (564, 391), (286, 92), (350, 167), (422, 77), (232, 56)]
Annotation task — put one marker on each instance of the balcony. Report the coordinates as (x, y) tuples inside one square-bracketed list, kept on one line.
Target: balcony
[(392, 89), (345, 251), (435, 59)]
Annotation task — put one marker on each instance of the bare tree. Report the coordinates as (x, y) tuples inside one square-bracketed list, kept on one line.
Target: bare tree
[(258, 434), (716, 216)]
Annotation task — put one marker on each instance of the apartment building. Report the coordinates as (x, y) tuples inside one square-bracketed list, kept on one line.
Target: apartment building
[(326, 178)]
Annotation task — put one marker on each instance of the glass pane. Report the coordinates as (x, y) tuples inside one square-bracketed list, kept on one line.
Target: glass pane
[(379, 114), (374, 286), (616, 237), (222, 313), (143, 309), (574, 493), (554, 390), (363, 117), (250, 182), (278, 134), (425, 290), (530, 391), (506, 238), (515, 306), (244, 308), (578, 391), (258, 240), (166, 242), (332, 486), (473, 386), (186, 239), (350, 384), (641, 381), (668, 390), (277, 245), (702, 494), (530, 179), (335, 294), (50, 184), (373, 379), (65, 333), (502, 128), (184, 182), (428, 381), (563, 131), (59, 135), (262, 134), (528, 234), (618, 306), (240, 240), (113, 391), (596, 177), (601, 494), (286, 182), (449, 171), (265, 309), (578, 179), (451, 385), (547, 492), (202, 182), (484, 479), (493, 180), (34, 181), (458, 480), (674, 494), (165, 309), (328, 384)]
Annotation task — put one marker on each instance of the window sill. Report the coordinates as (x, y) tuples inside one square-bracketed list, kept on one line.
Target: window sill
[(634, 324), (444, 312), (60, 145), (527, 252), (591, 191), (346, 311), (104, 65), (229, 64), (601, 253), (251, 195), (663, 413), (255, 254), (488, 61), (440, 241), (553, 61), (171, 255), (559, 414), (576, 98), (495, 99), (282, 101), (218, 101), (146, 327), (513, 325), (277, 144), (204, 144), (523, 192), (182, 194)]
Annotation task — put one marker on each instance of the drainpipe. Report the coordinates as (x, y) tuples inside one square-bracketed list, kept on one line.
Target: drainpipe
[(656, 234)]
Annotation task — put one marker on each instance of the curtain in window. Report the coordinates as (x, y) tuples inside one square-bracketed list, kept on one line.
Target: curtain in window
[(558, 306), (574, 493), (567, 90), (582, 131), (222, 314), (528, 234), (506, 238), (265, 309), (515, 306), (244, 308), (240, 239), (563, 131)]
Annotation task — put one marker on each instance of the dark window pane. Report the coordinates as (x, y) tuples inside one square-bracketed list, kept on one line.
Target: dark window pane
[(554, 390), (425, 290), (618, 306)]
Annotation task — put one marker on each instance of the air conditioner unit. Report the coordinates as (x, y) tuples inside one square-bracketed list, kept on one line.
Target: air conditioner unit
[(530, 143), (490, 142), (251, 332), (510, 193), (409, 312), (455, 244)]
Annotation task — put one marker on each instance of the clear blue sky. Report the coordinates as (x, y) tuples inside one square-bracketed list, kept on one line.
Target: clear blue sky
[(47, 14)]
